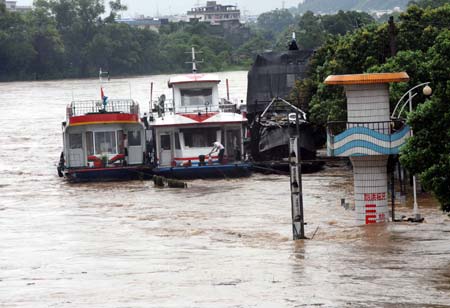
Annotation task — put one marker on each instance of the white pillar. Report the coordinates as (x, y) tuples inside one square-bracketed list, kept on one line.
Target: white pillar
[(370, 183)]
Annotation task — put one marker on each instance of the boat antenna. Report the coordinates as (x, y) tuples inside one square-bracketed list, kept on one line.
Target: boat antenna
[(194, 61)]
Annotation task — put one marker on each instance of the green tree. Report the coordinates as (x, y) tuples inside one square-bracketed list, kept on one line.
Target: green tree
[(275, 21), (427, 153), (115, 6), (311, 33), (16, 46), (78, 22), (248, 51), (344, 22), (46, 42)]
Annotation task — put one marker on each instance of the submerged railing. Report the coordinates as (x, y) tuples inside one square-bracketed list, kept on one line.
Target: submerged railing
[(77, 108)]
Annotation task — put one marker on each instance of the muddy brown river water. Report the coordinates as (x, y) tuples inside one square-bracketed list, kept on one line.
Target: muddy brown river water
[(221, 243)]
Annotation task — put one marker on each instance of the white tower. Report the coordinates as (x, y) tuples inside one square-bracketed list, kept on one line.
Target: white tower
[(368, 138)]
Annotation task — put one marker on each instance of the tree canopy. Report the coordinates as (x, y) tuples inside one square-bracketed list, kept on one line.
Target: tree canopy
[(71, 38)]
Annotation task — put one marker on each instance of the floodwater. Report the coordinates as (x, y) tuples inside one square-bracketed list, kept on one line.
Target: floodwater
[(222, 243)]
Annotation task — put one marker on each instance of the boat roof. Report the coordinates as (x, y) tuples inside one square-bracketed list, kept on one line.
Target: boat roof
[(213, 118), (193, 78), (355, 79)]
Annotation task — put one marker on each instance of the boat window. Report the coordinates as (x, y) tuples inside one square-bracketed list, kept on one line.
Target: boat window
[(177, 141), (75, 141), (165, 142), (90, 143), (134, 138), (199, 137), (196, 97), (105, 143)]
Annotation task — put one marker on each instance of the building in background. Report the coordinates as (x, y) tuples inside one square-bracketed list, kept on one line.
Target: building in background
[(145, 22), (216, 14), (13, 7)]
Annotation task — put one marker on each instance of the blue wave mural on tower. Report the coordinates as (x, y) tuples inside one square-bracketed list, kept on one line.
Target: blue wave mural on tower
[(362, 141)]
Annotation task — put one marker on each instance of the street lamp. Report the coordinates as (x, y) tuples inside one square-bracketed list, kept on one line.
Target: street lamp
[(427, 90), (399, 110)]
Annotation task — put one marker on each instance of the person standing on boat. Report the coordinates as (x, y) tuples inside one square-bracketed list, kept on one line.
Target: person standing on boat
[(218, 147)]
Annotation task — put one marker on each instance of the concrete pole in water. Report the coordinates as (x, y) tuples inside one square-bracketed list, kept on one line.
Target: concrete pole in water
[(298, 222), (368, 139), (295, 167)]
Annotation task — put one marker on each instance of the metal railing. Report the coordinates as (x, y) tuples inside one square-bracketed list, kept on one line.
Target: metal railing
[(228, 108), (77, 108), (167, 107), (385, 127)]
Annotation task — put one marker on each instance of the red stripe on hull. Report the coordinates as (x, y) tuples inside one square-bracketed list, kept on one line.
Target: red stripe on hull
[(98, 118)]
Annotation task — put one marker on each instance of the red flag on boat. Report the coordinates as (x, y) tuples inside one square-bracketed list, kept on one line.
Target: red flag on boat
[(104, 98)]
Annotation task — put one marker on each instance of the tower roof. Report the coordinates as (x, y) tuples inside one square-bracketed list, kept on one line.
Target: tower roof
[(366, 78)]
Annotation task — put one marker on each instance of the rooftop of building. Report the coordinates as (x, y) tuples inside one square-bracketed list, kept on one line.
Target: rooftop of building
[(213, 6)]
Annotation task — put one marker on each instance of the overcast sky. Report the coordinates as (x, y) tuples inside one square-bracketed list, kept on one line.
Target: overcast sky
[(164, 7)]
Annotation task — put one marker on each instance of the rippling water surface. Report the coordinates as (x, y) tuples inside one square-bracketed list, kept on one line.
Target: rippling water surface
[(221, 243)]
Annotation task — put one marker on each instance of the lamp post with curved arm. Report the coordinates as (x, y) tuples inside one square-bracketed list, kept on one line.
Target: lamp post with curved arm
[(401, 104)]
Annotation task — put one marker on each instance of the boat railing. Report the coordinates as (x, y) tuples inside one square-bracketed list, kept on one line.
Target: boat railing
[(228, 108), (167, 107), (82, 107), (162, 106)]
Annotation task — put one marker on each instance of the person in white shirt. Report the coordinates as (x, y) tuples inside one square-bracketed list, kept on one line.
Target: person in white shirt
[(218, 147)]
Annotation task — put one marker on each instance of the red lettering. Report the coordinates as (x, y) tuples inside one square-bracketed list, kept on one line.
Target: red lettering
[(371, 213), (371, 219), (375, 196)]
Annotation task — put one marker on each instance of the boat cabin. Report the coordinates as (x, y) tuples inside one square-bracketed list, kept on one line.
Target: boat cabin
[(98, 135), (186, 127)]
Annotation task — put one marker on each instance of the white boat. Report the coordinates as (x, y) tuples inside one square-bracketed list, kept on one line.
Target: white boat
[(104, 139), (186, 127)]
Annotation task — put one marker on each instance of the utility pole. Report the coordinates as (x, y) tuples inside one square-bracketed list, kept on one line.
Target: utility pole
[(295, 167), (298, 223), (392, 30)]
